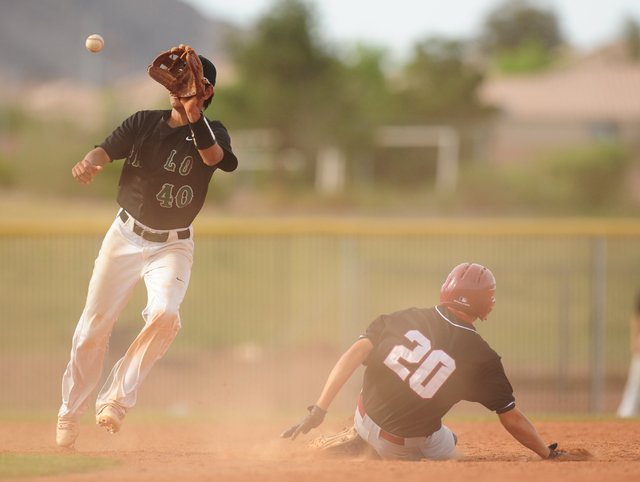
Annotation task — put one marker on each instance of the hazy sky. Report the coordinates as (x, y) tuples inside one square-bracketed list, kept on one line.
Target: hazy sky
[(398, 24)]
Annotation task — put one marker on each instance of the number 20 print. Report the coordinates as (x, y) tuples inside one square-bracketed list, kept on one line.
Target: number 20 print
[(432, 372)]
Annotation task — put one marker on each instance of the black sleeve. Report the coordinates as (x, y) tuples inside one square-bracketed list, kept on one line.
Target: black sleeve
[(229, 162), (374, 333), (118, 145), (492, 389), (375, 329)]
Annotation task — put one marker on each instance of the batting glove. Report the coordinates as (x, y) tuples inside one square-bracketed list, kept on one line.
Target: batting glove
[(313, 419)]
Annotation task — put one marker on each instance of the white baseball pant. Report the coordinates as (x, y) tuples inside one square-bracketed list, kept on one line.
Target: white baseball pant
[(439, 445), (125, 258), (630, 404)]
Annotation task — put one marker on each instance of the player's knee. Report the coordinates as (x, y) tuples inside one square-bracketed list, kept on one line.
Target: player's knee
[(165, 319), (93, 332)]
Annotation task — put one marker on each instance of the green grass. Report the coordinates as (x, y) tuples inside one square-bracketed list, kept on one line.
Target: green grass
[(35, 465)]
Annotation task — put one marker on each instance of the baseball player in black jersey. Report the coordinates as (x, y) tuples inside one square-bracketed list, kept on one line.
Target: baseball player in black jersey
[(419, 364), (170, 156)]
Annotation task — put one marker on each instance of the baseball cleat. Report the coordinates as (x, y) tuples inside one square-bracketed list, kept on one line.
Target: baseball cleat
[(67, 432), (109, 419)]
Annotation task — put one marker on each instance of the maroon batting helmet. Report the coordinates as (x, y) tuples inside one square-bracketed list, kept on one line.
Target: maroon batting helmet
[(469, 288)]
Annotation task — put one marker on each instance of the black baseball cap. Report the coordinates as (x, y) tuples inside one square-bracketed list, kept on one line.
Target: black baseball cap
[(208, 70)]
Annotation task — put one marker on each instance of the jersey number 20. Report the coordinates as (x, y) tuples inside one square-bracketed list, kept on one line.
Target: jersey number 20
[(434, 369)]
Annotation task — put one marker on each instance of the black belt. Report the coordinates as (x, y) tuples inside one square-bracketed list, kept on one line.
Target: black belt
[(150, 235)]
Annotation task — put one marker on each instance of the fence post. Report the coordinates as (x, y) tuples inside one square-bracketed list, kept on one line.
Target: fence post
[(598, 315), (564, 330), (349, 291)]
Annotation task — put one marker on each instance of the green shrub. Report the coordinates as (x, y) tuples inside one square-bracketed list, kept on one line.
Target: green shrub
[(7, 175), (577, 181), (501, 190), (591, 176)]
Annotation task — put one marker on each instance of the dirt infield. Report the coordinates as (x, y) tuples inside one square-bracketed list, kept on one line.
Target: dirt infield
[(190, 452)]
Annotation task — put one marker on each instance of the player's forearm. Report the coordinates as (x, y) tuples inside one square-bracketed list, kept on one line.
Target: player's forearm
[(338, 377), (524, 432), (210, 151), (85, 170), (343, 370), (98, 157), (212, 155)]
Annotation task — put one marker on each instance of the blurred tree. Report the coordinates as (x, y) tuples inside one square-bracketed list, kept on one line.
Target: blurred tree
[(365, 104), (291, 82), (521, 37), (437, 82), (632, 38), (287, 80), (437, 86), (363, 96), (530, 56)]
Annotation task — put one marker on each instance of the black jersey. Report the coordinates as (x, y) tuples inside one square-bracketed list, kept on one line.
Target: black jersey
[(164, 181), (425, 361)]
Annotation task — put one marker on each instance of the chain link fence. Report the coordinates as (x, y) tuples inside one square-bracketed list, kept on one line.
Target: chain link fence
[(272, 304)]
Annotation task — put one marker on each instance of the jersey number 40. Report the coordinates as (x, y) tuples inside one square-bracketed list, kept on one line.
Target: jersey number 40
[(435, 366)]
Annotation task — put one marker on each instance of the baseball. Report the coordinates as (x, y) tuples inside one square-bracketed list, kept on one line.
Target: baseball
[(94, 43)]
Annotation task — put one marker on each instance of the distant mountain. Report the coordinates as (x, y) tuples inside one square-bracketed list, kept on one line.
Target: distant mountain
[(43, 40)]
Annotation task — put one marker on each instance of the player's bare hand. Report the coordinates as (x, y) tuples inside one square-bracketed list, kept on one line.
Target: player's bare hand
[(192, 106), (84, 171), (189, 102), (313, 419)]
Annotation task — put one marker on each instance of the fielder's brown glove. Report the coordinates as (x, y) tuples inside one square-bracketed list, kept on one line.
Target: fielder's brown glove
[(180, 71), (347, 442)]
